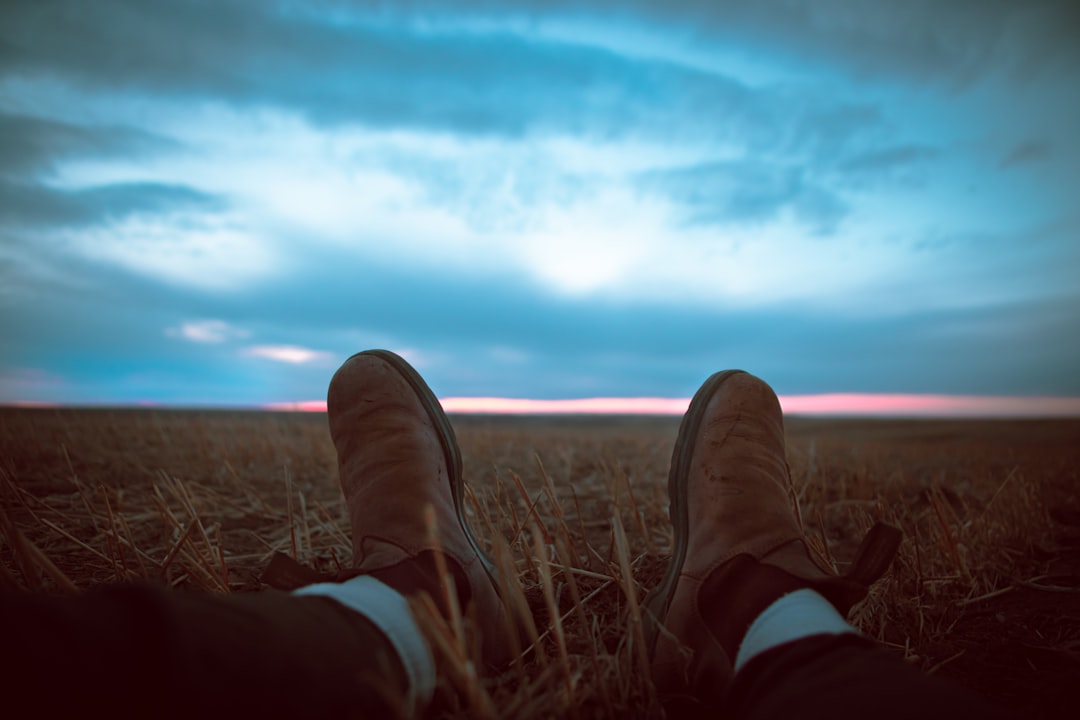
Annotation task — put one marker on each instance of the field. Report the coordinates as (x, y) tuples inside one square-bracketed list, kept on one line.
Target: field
[(985, 589)]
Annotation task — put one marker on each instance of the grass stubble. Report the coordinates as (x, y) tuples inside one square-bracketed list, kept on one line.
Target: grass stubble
[(985, 588)]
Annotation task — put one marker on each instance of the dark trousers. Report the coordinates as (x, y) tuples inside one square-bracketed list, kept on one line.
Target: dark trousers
[(140, 651), (846, 676)]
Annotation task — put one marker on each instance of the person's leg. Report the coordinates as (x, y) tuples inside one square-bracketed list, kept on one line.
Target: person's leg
[(143, 651), (400, 470), (844, 676), (351, 648), (738, 546), (746, 619)]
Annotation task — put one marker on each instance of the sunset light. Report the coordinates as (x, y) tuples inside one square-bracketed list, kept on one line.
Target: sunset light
[(835, 405)]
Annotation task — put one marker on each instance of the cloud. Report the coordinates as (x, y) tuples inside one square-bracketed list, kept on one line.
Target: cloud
[(481, 73), (292, 354), (561, 346), (354, 72), (31, 145), (207, 331), (747, 191), (568, 345), (946, 44), (28, 205), (210, 255), (510, 69), (904, 164), (1029, 152)]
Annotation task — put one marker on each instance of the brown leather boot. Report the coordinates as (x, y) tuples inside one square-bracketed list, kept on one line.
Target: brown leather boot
[(397, 457), (738, 546)]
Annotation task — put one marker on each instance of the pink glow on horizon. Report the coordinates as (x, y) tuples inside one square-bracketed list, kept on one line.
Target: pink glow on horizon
[(300, 406), (603, 406), (896, 405), (833, 404)]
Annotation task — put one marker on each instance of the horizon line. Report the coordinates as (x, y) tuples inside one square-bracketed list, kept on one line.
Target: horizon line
[(927, 405), (886, 405)]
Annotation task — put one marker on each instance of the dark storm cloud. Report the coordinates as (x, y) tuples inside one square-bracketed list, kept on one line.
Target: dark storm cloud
[(1029, 152), (31, 148), (927, 41), (25, 205), (32, 145), (376, 75), (440, 74), (923, 40)]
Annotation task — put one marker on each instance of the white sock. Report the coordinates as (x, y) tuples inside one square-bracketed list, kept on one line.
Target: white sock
[(792, 617), (389, 611)]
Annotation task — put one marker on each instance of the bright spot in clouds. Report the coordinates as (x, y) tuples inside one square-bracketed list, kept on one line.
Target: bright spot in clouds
[(291, 354), (207, 331)]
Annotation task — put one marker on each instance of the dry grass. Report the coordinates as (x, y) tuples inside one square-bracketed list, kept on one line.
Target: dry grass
[(984, 590)]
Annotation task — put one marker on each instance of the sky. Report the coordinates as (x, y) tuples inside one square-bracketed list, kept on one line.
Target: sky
[(216, 203)]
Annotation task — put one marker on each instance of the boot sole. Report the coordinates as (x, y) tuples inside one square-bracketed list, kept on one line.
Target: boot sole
[(658, 600), (447, 439)]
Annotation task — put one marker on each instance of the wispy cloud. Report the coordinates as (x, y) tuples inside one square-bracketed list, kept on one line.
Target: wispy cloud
[(207, 331), (1029, 152), (752, 192)]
